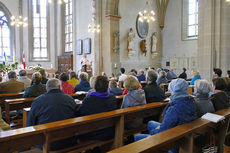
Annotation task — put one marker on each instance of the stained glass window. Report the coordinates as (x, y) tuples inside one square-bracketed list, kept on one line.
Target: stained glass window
[(5, 33), (192, 18), (39, 18), (68, 26)]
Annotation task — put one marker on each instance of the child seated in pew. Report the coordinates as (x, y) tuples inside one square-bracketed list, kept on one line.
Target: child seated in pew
[(180, 110)]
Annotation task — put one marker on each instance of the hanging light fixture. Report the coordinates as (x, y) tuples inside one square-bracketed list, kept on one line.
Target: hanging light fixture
[(228, 1), (94, 27), (60, 1), (147, 15), (20, 21)]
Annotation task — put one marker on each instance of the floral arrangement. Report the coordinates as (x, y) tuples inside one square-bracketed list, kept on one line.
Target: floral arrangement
[(8, 67), (37, 67)]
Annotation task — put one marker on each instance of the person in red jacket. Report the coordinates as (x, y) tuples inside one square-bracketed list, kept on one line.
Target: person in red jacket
[(65, 86)]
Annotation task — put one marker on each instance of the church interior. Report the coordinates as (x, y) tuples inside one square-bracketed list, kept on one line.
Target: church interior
[(97, 76)]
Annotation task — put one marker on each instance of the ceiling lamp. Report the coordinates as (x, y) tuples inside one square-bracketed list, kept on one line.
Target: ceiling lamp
[(20, 21), (228, 1), (146, 15), (94, 27), (60, 1)]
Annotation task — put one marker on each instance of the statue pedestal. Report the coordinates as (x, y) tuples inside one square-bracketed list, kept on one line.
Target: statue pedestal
[(131, 53)]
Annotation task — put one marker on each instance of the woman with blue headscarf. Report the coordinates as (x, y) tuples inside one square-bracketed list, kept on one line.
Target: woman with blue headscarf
[(180, 110)]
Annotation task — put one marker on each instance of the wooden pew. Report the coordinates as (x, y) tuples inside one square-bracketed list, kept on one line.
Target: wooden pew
[(27, 110), (190, 90), (14, 140), (164, 87), (3, 97), (20, 103), (182, 136)]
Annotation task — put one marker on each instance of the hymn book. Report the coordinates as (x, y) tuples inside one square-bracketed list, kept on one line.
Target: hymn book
[(213, 117)]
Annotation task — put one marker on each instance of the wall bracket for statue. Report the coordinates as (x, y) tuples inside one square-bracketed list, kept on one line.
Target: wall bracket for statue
[(143, 46)]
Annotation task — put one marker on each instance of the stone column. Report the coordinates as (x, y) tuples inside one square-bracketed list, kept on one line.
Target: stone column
[(206, 38), (111, 56), (224, 50)]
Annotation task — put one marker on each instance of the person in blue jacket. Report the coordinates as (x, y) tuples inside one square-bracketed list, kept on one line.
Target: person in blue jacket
[(181, 109), (196, 76), (84, 84)]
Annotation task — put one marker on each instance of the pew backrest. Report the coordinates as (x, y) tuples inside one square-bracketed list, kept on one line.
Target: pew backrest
[(182, 135), (47, 133)]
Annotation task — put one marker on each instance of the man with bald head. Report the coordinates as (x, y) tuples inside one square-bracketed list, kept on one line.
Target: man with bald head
[(52, 106)]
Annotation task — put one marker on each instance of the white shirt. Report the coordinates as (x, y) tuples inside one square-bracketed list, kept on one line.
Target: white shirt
[(27, 81), (122, 77)]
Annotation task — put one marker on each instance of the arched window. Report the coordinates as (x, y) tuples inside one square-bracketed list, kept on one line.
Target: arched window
[(68, 26), (5, 35), (190, 19), (39, 29)]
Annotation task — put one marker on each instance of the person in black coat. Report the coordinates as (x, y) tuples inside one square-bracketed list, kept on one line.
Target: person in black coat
[(53, 106), (153, 92), (183, 75), (37, 87), (98, 102), (220, 98)]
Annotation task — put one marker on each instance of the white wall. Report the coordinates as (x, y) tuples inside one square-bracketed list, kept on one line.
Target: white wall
[(173, 45), (83, 18), (128, 10)]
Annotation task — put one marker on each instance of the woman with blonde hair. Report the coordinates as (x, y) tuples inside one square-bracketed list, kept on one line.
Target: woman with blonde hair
[(196, 76)]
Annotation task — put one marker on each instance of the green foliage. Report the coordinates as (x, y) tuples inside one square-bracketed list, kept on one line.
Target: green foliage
[(8, 67)]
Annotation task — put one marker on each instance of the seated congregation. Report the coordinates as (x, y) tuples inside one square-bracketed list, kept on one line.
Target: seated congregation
[(53, 101)]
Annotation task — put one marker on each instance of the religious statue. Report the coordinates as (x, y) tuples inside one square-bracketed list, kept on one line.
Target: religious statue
[(143, 46), (84, 63), (131, 37), (154, 42), (116, 42)]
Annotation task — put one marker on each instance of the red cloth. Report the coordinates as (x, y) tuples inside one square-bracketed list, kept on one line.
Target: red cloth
[(67, 88), (126, 91), (24, 60)]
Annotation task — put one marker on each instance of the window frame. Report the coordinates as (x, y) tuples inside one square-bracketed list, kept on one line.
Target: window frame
[(185, 21), (8, 15), (31, 33), (64, 33)]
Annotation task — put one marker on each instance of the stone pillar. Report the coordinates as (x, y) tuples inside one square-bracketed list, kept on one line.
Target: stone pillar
[(206, 38), (224, 52), (111, 55)]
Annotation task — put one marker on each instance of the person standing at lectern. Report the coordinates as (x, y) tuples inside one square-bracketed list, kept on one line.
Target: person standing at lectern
[(84, 63)]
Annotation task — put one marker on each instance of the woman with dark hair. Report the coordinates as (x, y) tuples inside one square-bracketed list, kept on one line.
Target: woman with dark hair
[(65, 86), (97, 102), (37, 88), (73, 79), (183, 75), (219, 98)]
